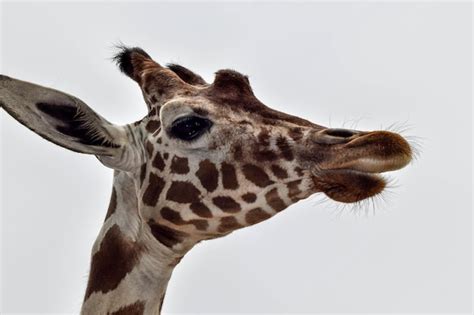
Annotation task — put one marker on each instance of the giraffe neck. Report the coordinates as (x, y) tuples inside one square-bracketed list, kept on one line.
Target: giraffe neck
[(130, 270)]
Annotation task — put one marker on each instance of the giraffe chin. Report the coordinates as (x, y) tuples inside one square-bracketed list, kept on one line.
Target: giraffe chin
[(349, 186)]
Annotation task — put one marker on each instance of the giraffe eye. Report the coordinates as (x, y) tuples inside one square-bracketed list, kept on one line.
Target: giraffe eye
[(190, 127)]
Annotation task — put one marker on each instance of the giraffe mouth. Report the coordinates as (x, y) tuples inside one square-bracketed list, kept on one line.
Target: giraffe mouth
[(348, 185), (353, 171)]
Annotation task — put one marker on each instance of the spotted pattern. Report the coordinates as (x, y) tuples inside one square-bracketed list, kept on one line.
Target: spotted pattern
[(274, 200), (229, 176), (183, 192), (153, 191), (208, 175), (166, 235), (256, 175), (228, 224), (174, 217), (115, 259), (249, 197), (179, 165), (256, 215), (201, 210), (137, 308), (226, 204)]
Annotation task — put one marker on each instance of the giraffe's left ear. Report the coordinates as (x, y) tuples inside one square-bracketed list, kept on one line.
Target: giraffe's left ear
[(64, 120)]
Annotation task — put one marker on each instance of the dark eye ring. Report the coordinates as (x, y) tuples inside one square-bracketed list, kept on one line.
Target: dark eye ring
[(189, 127)]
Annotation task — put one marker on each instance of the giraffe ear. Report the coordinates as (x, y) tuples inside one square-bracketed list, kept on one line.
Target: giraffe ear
[(62, 119)]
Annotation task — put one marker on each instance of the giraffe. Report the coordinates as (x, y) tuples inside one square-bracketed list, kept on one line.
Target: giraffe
[(206, 160)]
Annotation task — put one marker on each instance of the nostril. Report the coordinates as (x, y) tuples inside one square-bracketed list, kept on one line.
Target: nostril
[(340, 133)]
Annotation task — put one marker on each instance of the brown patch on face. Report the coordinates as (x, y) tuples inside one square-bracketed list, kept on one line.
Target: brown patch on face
[(165, 156), (274, 200), (137, 308), (149, 148), (226, 204), (115, 259), (285, 149), (296, 133), (183, 192), (208, 175), (229, 177), (153, 99), (158, 162), (152, 111), (228, 224), (249, 197), (179, 165), (294, 190), (112, 204), (238, 154), (279, 172), (299, 171), (152, 126), (201, 210), (264, 155), (256, 215), (153, 191), (264, 138), (256, 175), (166, 235), (174, 217)]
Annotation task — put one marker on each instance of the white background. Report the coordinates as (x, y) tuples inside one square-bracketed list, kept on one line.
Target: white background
[(378, 63)]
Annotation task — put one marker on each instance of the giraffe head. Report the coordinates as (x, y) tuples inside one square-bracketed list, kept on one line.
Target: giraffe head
[(210, 158)]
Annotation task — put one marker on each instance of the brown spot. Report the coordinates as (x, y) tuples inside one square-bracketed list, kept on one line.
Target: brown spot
[(256, 175), (153, 99), (166, 235), (183, 192), (256, 215), (285, 149), (229, 177), (279, 172), (299, 171), (153, 191), (152, 112), (142, 174), (296, 133), (115, 259), (208, 175), (165, 156), (137, 308), (294, 190), (112, 204), (274, 200), (264, 138), (179, 165), (159, 140), (149, 148), (226, 204), (264, 155), (174, 217), (201, 210), (152, 125), (228, 224), (238, 154), (158, 162), (249, 197)]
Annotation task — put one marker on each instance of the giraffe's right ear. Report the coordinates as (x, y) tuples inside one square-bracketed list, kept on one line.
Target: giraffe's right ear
[(63, 119)]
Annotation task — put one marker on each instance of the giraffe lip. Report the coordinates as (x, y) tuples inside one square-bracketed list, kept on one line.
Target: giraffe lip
[(348, 185)]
